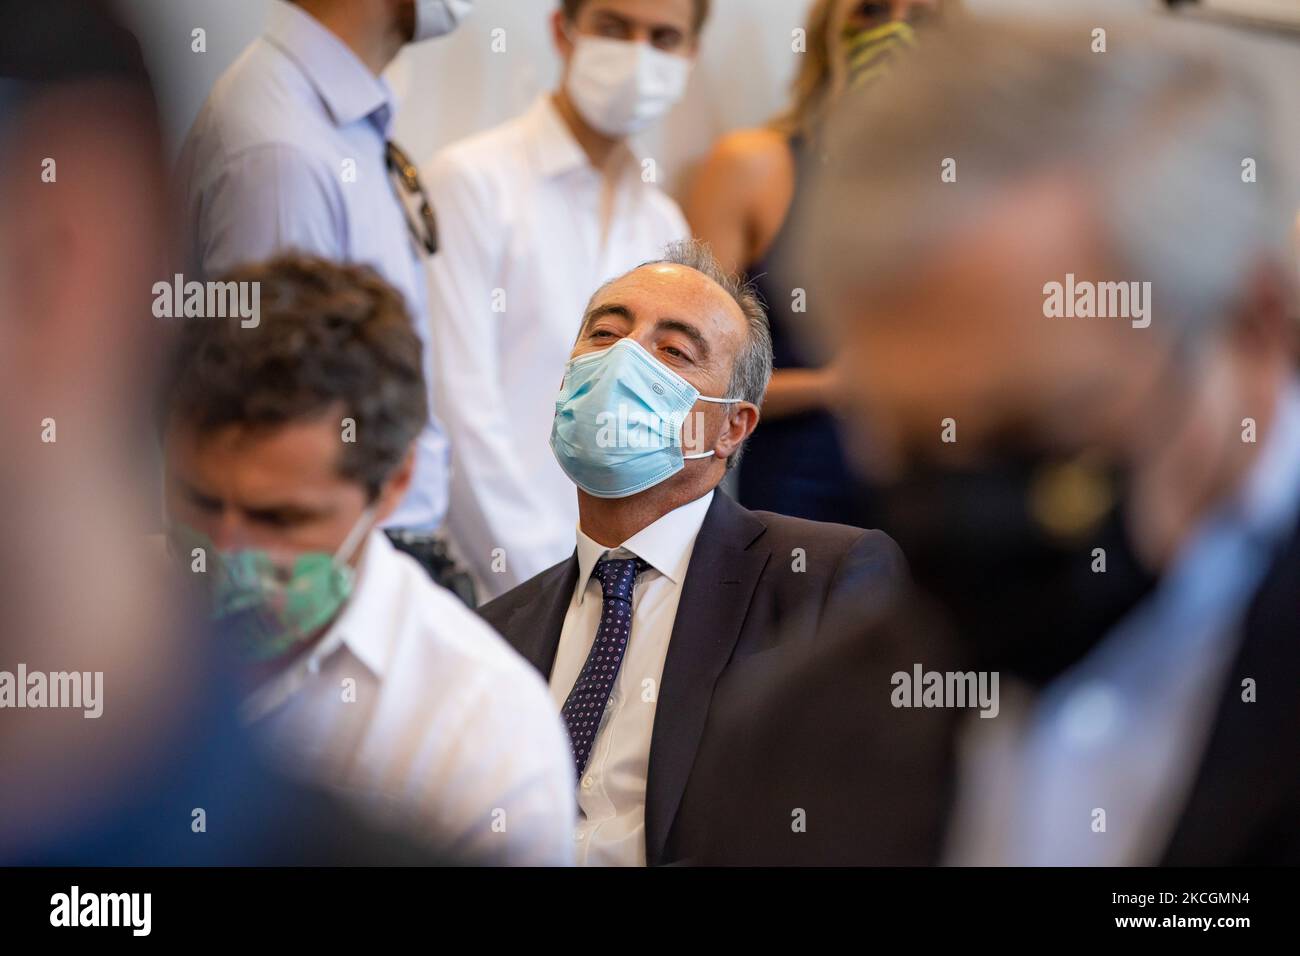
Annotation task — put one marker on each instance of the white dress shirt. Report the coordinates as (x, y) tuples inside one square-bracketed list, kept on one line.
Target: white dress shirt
[(524, 245), (416, 710), (287, 153), (611, 793)]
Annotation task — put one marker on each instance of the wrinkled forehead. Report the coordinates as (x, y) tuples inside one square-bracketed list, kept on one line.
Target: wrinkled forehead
[(662, 291)]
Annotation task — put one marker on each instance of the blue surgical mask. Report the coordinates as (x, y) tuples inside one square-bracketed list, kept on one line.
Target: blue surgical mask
[(619, 419)]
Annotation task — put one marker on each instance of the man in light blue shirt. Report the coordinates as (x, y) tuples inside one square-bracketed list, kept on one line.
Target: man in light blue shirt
[(291, 151)]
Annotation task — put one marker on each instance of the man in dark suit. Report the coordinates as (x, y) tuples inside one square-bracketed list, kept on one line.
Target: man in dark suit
[(1103, 503), (673, 585)]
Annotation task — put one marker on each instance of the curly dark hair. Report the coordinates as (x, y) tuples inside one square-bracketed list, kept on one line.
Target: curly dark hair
[(329, 335)]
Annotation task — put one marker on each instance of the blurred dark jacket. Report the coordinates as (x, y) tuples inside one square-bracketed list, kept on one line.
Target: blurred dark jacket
[(812, 728)]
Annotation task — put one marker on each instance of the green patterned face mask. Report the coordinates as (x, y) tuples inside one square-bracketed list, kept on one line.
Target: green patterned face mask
[(271, 609), (871, 52)]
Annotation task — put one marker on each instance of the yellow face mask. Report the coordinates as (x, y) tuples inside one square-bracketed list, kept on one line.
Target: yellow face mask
[(871, 52)]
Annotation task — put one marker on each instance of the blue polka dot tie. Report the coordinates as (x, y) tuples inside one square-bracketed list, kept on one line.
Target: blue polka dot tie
[(586, 702)]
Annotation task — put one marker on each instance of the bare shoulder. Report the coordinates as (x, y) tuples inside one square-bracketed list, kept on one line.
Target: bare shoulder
[(755, 155)]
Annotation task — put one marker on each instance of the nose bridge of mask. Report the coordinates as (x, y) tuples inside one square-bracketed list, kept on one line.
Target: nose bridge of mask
[(662, 379), (688, 393), (623, 67), (627, 370)]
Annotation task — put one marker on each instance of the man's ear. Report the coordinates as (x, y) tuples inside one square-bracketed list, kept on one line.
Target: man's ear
[(563, 45), (1265, 319), (395, 488), (741, 422)]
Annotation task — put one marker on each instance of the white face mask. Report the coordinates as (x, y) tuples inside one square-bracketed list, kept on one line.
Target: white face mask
[(620, 87), (436, 18)]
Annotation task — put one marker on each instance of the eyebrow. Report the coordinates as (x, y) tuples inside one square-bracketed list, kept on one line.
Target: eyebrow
[(600, 311), (668, 323), (284, 509), (195, 493), (623, 20)]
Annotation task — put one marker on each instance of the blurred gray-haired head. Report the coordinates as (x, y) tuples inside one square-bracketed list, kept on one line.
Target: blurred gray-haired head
[(1155, 132)]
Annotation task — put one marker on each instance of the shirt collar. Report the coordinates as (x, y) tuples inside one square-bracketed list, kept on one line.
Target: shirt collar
[(375, 600), (665, 545), (345, 85), (553, 146)]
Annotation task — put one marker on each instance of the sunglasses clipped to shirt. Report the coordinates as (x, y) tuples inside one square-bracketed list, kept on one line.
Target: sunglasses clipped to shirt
[(415, 200)]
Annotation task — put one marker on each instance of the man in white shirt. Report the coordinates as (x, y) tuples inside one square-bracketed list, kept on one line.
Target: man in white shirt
[(533, 215), (292, 151), (673, 586), (286, 445)]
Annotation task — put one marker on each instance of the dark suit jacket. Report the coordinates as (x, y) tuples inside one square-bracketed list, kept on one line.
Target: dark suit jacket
[(813, 764), (1244, 806), (811, 728), (755, 580)]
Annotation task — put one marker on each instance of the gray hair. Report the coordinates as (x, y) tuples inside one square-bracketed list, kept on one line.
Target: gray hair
[(1155, 132), (752, 368)]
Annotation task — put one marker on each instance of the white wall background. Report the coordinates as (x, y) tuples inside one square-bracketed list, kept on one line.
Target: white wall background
[(455, 86)]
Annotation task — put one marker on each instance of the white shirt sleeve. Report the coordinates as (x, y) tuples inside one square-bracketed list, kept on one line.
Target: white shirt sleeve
[(527, 783), (493, 503), (496, 769)]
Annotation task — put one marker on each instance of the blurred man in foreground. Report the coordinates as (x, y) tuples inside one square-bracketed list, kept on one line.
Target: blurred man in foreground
[(155, 769), (1073, 360), (287, 445)]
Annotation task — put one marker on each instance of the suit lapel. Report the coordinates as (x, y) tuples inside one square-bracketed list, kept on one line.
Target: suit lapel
[(538, 623), (720, 581)]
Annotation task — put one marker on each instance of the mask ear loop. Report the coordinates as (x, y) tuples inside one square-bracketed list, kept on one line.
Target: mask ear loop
[(716, 401), (353, 541)]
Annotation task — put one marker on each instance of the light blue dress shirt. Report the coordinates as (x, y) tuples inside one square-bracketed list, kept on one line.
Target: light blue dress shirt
[(1125, 729), (289, 153)]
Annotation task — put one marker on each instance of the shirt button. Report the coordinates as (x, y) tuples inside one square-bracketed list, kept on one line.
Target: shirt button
[(587, 782), (579, 835)]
